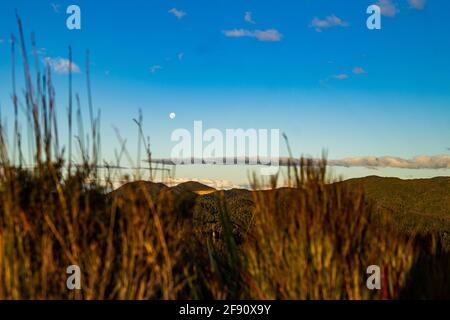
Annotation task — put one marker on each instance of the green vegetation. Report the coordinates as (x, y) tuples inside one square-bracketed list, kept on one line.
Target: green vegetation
[(417, 205)]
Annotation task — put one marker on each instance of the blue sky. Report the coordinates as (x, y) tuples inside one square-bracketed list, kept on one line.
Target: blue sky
[(310, 68)]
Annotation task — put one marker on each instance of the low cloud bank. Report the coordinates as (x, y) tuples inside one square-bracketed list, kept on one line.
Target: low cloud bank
[(419, 162)]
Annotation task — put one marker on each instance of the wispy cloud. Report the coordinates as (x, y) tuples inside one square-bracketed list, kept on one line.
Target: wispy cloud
[(61, 65), (180, 56), (236, 33), (248, 17), (358, 70), (262, 35), (328, 22), (268, 35), (417, 4), (341, 76), (177, 13), (155, 68), (344, 76), (388, 8)]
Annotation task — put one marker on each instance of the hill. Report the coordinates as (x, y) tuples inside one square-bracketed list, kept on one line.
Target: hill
[(137, 186), (422, 204), (192, 186), (415, 205)]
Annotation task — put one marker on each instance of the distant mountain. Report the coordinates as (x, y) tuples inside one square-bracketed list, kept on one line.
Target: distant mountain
[(138, 186), (423, 203), (418, 204), (192, 186), (155, 188)]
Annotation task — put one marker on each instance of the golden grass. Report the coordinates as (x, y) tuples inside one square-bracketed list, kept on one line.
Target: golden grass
[(315, 241)]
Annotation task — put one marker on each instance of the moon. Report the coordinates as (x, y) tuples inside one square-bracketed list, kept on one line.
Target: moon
[(172, 115)]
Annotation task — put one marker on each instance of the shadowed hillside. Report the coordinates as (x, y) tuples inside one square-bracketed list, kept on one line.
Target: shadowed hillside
[(419, 205), (416, 205), (192, 186)]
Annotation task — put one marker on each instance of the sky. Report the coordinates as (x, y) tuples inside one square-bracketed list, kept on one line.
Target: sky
[(310, 68)]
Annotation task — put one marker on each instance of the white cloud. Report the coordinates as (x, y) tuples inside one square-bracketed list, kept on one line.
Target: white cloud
[(388, 8), (61, 65), (268, 35), (248, 17), (177, 13), (419, 162), (417, 4), (358, 70), (262, 35), (341, 76), (237, 33), (328, 22), (155, 68)]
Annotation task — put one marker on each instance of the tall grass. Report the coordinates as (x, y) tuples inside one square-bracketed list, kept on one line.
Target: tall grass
[(316, 240), (311, 240), (51, 217)]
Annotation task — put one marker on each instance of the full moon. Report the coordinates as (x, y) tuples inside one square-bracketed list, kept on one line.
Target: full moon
[(172, 115)]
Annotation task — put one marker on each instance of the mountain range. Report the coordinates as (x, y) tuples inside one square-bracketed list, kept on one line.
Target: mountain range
[(415, 205)]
